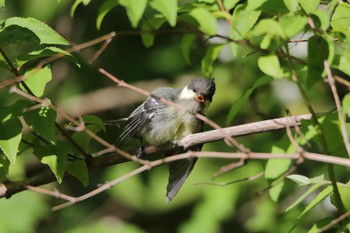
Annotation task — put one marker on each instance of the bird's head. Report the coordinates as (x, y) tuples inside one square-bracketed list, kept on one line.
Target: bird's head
[(200, 90)]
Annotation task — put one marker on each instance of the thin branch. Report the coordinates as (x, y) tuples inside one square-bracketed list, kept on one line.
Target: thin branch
[(331, 82), (191, 154), (14, 89), (334, 222)]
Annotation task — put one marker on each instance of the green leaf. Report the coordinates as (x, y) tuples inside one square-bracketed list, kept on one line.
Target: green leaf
[(340, 19), (94, 124), (241, 23), (134, 10), (292, 5), (106, 7), (76, 4), (241, 102), (55, 156), (303, 196), (211, 55), (268, 26), (332, 134), (29, 30), (2, 4), (37, 79), (309, 6), (206, 21), (319, 198), (14, 110), (343, 63), (315, 63), (292, 25), (323, 19), (230, 4), (344, 192), (148, 29), (94, 120), (276, 167), (79, 170), (270, 65), (4, 168), (185, 45), (10, 137), (167, 8), (42, 120), (276, 190), (46, 52), (299, 179), (346, 104)]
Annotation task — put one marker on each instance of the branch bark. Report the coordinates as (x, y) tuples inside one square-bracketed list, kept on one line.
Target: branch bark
[(9, 188)]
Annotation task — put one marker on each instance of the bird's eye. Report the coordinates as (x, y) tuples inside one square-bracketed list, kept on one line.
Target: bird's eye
[(194, 90)]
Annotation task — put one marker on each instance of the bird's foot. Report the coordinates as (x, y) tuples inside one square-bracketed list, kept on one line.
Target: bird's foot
[(141, 152)]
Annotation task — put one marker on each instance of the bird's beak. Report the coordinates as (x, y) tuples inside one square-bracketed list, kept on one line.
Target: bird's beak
[(200, 98)]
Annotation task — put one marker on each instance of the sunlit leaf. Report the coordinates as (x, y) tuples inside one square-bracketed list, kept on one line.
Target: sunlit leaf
[(206, 21), (241, 23), (229, 4), (42, 120), (2, 4), (106, 7), (344, 192), (299, 179), (10, 137), (29, 30), (317, 200), (134, 10), (275, 191), (340, 19), (303, 196), (310, 5), (167, 8), (270, 65), (37, 79), (292, 25), (292, 5), (55, 156)]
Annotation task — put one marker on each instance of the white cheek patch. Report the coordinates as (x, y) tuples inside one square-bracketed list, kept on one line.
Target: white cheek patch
[(187, 94)]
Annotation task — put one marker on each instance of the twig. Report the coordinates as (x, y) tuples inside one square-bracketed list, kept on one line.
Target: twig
[(254, 177), (101, 188), (331, 82), (190, 154), (335, 221), (14, 89)]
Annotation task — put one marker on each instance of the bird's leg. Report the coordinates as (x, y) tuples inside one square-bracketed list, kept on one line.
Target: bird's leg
[(141, 151)]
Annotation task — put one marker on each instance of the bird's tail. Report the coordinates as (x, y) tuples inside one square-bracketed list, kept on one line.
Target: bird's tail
[(178, 173)]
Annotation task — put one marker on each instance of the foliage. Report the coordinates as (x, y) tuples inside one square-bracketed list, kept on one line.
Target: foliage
[(262, 38)]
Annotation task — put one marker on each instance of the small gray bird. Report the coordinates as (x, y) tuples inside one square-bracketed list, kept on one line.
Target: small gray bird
[(158, 123)]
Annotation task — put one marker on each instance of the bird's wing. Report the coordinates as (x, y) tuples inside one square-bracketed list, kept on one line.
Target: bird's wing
[(139, 118), (179, 171)]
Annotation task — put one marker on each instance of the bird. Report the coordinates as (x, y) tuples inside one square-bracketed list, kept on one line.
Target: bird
[(159, 123)]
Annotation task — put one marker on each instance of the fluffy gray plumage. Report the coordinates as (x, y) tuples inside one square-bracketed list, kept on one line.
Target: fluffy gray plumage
[(159, 123)]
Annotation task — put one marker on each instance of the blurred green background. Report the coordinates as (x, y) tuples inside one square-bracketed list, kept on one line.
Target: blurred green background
[(138, 204)]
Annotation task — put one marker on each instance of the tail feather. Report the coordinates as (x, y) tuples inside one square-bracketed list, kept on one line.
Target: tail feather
[(178, 173)]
